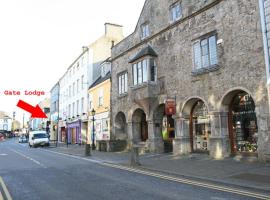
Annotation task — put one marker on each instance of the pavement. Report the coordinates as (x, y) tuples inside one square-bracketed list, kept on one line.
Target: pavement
[(246, 173)]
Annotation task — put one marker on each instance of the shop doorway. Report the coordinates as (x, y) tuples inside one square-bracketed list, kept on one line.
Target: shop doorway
[(164, 127), (243, 129), (200, 129), (139, 126)]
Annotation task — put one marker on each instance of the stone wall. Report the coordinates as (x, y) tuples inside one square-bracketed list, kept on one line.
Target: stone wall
[(240, 58)]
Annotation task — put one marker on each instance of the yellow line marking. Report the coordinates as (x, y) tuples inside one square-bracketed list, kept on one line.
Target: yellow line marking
[(6, 192), (196, 183), (174, 179)]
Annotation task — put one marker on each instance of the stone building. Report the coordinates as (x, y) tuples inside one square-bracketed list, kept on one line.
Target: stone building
[(207, 58)]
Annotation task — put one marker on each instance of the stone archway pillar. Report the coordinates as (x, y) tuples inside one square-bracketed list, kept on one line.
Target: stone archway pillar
[(181, 143), (129, 135), (219, 142), (155, 141)]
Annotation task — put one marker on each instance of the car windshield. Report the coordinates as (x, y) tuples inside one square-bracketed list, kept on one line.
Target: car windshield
[(40, 135)]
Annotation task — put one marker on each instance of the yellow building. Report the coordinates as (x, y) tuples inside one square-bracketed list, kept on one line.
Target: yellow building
[(99, 101)]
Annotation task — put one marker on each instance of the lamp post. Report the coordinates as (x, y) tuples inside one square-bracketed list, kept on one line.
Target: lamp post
[(93, 112)]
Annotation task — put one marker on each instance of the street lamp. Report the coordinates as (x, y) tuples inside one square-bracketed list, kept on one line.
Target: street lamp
[(93, 112)]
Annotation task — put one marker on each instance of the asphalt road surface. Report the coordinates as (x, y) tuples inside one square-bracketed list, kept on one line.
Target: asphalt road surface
[(35, 173)]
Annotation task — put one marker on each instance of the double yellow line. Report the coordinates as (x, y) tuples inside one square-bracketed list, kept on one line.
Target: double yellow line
[(190, 182), (5, 190)]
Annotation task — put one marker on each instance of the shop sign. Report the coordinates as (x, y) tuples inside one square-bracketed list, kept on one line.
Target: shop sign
[(170, 107)]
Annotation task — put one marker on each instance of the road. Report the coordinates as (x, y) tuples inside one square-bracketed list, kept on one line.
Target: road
[(35, 174)]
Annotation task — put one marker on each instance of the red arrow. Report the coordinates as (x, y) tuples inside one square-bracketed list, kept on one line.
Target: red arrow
[(35, 111)]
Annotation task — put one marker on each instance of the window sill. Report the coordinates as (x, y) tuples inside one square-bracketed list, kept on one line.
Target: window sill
[(143, 85), (205, 70), (122, 95)]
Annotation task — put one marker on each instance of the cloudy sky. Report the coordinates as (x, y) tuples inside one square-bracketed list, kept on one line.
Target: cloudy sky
[(39, 39)]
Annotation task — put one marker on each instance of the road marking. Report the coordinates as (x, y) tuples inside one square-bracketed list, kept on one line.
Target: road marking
[(190, 182), (170, 178), (29, 158), (3, 154), (5, 190)]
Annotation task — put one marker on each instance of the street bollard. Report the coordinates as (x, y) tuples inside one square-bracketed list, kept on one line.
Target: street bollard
[(87, 150), (134, 156)]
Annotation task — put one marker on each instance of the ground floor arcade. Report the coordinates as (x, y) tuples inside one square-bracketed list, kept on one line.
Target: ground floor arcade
[(235, 125)]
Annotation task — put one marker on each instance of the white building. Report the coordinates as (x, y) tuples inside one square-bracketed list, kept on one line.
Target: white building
[(73, 100), (5, 122)]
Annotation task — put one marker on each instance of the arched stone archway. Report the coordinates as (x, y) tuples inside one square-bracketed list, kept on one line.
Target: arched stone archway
[(120, 126), (242, 126), (194, 127), (139, 126)]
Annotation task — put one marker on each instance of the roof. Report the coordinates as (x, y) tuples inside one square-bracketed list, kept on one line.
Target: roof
[(101, 80), (4, 115), (147, 51)]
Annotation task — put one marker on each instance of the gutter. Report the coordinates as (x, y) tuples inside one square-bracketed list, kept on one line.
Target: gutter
[(265, 40)]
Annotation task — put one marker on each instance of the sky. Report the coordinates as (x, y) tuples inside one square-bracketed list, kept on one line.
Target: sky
[(39, 39)]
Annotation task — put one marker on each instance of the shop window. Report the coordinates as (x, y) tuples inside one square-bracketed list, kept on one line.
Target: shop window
[(244, 124), (201, 127)]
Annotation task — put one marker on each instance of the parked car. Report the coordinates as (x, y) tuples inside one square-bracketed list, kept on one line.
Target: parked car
[(38, 138), (23, 139), (2, 137)]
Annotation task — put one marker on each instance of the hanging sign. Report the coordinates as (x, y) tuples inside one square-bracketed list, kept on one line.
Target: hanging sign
[(170, 107)]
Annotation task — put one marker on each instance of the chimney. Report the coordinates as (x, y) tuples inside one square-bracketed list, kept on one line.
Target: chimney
[(113, 29)]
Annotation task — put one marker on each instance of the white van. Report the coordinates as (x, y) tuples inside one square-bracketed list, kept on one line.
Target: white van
[(38, 138)]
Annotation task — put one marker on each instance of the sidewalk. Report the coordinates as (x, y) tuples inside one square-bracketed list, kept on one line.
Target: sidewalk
[(230, 171)]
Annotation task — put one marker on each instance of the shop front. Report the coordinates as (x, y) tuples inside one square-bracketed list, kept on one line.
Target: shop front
[(74, 132), (200, 129), (243, 129)]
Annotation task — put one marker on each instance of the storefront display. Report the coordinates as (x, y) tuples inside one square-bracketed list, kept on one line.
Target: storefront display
[(244, 122), (201, 127)]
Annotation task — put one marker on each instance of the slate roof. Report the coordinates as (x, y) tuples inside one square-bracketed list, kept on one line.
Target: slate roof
[(147, 51), (101, 79)]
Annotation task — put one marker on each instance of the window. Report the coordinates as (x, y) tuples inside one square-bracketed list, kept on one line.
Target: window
[(69, 110), (122, 83), (205, 52), (145, 31), (77, 107), (82, 105), (105, 124), (78, 84), (73, 89), (82, 81), (69, 91), (144, 71), (100, 97), (175, 12), (73, 108), (90, 102)]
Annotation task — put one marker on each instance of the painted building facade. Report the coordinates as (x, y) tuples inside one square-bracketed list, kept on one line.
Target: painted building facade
[(54, 112), (5, 122), (207, 57), (99, 101), (83, 72)]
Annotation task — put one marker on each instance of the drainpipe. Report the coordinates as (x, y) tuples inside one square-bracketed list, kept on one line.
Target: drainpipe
[(265, 40)]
